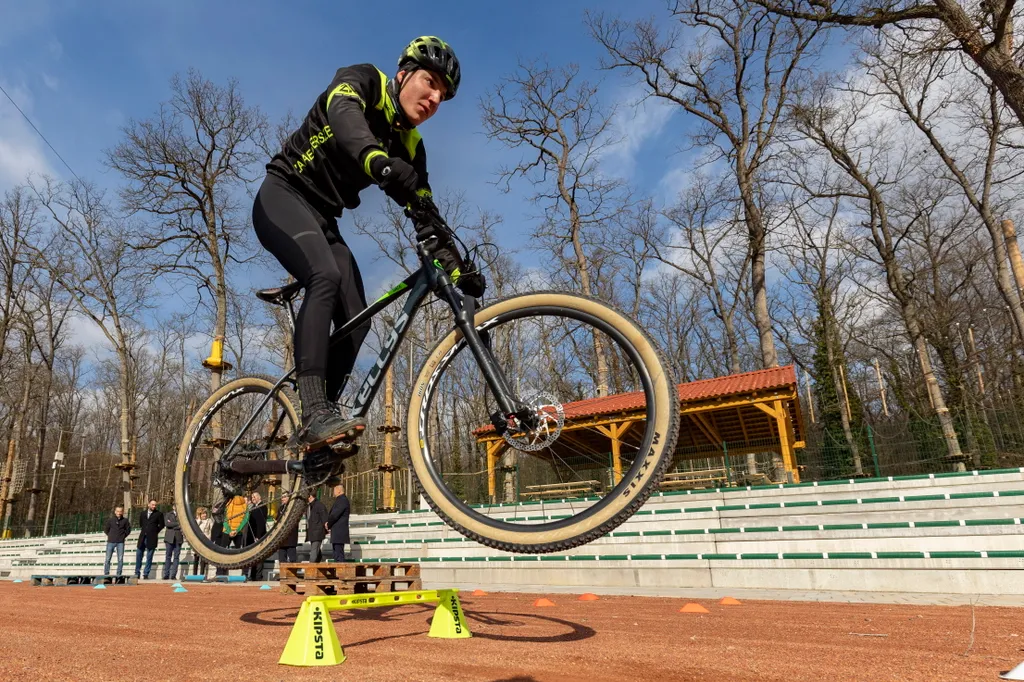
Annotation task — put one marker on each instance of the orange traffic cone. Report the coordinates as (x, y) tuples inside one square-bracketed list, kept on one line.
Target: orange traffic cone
[(478, 593), (729, 601), (693, 608), (588, 597), (543, 602)]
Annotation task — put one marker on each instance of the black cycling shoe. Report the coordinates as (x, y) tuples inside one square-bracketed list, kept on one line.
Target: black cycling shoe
[(326, 427)]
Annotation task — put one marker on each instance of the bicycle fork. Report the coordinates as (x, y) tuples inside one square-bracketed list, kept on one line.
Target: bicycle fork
[(510, 407)]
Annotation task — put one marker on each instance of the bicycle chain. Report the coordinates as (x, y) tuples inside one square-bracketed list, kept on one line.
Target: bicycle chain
[(303, 491)]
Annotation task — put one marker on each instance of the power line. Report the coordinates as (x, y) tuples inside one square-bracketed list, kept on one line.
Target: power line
[(40, 134)]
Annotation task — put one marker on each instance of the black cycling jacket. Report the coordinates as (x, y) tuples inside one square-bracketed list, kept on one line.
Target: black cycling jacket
[(354, 119)]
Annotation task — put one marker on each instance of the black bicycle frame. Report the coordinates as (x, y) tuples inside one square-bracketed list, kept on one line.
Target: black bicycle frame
[(418, 285)]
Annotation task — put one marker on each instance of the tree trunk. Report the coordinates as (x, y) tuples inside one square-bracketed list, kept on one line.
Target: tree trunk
[(584, 270), (844, 403), (126, 466), (17, 437), (756, 244), (1000, 66), (934, 391), (44, 412)]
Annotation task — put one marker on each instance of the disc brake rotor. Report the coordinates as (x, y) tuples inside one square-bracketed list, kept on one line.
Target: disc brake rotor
[(550, 417)]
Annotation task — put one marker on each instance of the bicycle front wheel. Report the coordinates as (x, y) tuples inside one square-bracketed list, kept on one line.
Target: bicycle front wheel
[(606, 420)]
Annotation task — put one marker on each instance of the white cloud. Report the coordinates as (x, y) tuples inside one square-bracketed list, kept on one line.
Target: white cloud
[(635, 122), (21, 150), (50, 81), (85, 333)]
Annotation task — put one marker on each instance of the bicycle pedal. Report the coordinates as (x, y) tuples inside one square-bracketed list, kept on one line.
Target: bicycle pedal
[(348, 436), (345, 449)]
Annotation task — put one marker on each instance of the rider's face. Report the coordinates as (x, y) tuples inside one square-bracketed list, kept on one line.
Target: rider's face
[(421, 95)]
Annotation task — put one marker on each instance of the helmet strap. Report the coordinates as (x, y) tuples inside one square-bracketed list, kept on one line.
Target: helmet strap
[(394, 90)]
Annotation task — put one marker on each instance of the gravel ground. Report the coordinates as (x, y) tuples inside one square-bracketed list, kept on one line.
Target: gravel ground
[(149, 632)]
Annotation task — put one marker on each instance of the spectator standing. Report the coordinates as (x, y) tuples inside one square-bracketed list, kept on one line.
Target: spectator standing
[(256, 529), (337, 522), (117, 529), (316, 528), (150, 525), (206, 528), (173, 540), (288, 552)]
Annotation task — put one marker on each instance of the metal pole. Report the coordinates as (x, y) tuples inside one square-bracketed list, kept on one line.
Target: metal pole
[(728, 469), (874, 455), (408, 488), (57, 458)]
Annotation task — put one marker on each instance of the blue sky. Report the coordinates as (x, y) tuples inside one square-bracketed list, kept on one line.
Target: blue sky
[(81, 69)]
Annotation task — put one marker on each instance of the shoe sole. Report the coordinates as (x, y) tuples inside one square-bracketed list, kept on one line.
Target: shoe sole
[(350, 434)]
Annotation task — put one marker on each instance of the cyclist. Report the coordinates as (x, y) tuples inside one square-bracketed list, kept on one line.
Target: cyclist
[(361, 131)]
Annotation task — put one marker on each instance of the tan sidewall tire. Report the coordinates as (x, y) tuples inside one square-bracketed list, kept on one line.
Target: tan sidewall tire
[(276, 534), (621, 507)]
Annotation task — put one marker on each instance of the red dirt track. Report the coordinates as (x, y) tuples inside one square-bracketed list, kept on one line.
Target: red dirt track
[(226, 632)]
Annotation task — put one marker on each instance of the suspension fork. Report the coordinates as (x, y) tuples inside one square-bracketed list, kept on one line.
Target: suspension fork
[(464, 308), (509, 404)]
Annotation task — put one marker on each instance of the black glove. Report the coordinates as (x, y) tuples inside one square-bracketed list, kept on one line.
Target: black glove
[(472, 284), (463, 273), (396, 177), (427, 220)]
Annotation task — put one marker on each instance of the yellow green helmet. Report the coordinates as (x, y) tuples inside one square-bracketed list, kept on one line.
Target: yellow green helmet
[(433, 54)]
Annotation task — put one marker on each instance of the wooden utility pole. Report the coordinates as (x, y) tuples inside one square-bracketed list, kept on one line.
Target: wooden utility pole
[(881, 388), (1013, 250), (977, 362), (846, 396), (217, 365), (13, 445), (810, 401), (388, 429)]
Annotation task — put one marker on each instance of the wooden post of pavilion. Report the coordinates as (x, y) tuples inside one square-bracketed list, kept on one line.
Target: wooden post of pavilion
[(615, 431), (786, 440), (495, 448)]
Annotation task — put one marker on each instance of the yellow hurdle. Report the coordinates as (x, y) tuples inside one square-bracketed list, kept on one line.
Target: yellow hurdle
[(314, 641)]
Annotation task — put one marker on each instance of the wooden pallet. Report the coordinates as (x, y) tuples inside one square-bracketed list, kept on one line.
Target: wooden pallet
[(349, 578), (65, 580)]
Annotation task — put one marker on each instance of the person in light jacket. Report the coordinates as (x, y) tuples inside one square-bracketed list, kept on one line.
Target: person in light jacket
[(199, 564)]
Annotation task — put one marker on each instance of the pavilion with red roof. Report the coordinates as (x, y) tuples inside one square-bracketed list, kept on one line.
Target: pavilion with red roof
[(735, 416)]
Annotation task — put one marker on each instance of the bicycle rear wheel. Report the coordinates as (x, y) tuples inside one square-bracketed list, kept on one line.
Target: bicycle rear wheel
[(202, 480), (607, 418)]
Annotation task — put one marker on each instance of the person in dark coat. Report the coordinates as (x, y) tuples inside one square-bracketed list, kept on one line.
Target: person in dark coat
[(337, 521), (117, 529), (173, 540), (288, 552), (150, 524), (256, 529), (220, 539), (316, 528)]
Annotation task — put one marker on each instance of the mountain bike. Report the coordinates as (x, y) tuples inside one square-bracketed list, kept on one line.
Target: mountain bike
[(543, 386)]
